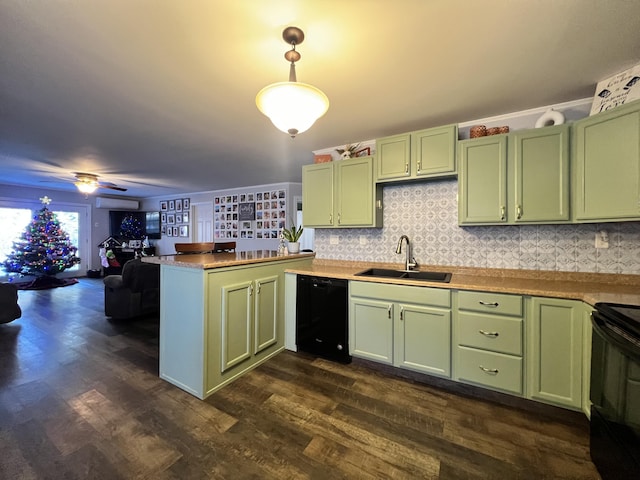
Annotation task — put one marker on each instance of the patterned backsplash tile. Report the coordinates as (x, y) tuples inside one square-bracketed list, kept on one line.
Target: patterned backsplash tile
[(428, 214)]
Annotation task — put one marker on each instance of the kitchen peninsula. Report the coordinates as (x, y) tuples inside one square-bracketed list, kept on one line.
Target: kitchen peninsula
[(221, 315)]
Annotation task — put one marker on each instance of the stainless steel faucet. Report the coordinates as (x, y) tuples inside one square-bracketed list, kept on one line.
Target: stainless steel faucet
[(409, 262)]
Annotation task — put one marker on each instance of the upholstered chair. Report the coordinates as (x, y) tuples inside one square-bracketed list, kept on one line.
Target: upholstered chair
[(134, 293), (9, 308)]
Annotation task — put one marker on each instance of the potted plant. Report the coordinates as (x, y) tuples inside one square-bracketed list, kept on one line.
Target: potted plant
[(292, 235)]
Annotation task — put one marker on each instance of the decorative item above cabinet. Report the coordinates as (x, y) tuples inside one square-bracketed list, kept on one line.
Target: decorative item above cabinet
[(423, 154)]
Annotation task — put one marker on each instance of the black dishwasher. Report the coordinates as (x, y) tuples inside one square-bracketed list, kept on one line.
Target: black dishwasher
[(322, 317)]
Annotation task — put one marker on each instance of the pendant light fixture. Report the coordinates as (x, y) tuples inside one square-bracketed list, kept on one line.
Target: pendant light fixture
[(293, 107), (86, 182)]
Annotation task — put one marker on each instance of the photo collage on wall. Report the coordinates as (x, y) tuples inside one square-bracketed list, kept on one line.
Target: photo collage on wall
[(174, 217), (258, 215)]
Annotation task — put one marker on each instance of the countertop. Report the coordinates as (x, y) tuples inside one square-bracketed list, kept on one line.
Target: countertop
[(226, 259), (588, 287)]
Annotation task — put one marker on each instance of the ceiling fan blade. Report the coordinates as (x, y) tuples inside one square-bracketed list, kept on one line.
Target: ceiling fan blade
[(112, 187)]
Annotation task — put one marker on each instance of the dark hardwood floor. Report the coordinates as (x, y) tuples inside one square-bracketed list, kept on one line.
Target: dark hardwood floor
[(80, 398)]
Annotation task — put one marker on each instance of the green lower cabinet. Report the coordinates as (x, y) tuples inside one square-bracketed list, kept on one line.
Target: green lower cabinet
[(555, 351), (387, 327)]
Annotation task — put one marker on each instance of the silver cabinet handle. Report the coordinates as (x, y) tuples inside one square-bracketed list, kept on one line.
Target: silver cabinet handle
[(331, 218), (406, 168), (492, 371), (419, 165), (503, 211), (519, 212), (389, 311), (401, 313), (489, 334), (258, 289), (250, 290), (488, 304), (338, 219)]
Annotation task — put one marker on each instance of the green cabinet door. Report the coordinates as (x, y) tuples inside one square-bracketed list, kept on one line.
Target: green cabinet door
[(265, 313), (423, 339), (371, 330), (237, 313), (394, 157), (482, 180), (356, 193), (317, 195), (607, 165), (541, 169), (554, 358), (433, 151)]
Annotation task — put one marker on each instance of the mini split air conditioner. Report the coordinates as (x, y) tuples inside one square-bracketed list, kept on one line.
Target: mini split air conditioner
[(117, 203)]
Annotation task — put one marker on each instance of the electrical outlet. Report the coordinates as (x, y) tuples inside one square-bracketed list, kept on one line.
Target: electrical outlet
[(602, 239), (334, 240), (363, 240)]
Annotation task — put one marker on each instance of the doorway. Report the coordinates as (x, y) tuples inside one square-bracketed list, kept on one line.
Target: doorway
[(202, 214)]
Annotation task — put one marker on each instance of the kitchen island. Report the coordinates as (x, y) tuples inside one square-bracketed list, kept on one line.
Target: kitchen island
[(221, 315)]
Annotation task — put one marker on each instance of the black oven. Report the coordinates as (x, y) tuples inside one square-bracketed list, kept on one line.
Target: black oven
[(615, 391)]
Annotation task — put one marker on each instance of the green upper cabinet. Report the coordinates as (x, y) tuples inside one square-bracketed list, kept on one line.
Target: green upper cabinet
[(317, 195), (540, 161), (421, 154), (522, 177), (607, 166), (482, 180), (341, 194)]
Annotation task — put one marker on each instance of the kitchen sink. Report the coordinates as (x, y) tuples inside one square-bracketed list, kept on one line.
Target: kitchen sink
[(409, 275)]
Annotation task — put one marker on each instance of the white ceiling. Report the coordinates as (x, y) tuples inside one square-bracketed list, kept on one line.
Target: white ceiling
[(158, 96)]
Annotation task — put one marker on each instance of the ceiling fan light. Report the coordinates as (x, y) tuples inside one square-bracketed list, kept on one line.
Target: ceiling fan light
[(292, 107), (86, 187)]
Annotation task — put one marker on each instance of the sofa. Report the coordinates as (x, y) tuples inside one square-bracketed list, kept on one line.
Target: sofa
[(9, 308), (134, 293)]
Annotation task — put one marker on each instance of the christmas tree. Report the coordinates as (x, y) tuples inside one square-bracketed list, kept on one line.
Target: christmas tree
[(131, 227), (43, 249)]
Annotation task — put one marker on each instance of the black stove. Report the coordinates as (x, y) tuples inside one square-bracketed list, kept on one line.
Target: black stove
[(615, 391)]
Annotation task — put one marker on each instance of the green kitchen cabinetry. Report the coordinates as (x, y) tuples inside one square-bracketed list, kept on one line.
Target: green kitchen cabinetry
[(606, 166), (341, 194), (488, 340), (555, 351), (422, 154), (518, 178), (405, 326)]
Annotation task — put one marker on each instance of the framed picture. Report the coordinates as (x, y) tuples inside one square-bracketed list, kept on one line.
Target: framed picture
[(175, 231), (184, 231), (186, 204), (169, 232), (179, 205), (163, 229), (247, 211), (135, 243), (172, 205), (178, 218), (364, 152), (171, 218), (164, 206), (185, 216), (163, 217)]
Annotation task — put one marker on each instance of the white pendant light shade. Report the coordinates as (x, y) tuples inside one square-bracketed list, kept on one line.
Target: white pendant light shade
[(292, 107)]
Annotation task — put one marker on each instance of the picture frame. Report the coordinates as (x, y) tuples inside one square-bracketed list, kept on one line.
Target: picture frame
[(179, 205), (164, 206), (186, 204), (184, 231), (171, 218), (163, 217), (163, 230), (178, 218), (175, 231), (185, 216), (172, 205), (169, 232), (135, 244), (364, 152)]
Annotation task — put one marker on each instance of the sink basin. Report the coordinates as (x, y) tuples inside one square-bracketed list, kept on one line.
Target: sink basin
[(409, 275)]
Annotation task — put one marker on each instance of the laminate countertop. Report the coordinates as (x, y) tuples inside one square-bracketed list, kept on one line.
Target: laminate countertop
[(588, 287), (206, 261)]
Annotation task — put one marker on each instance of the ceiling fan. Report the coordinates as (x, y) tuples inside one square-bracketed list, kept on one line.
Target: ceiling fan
[(88, 183)]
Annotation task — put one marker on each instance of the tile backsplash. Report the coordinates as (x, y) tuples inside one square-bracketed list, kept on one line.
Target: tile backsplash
[(428, 214)]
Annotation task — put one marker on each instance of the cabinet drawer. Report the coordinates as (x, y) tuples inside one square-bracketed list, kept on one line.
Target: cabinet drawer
[(494, 370), (490, 332), (438, 297), (490, 302)]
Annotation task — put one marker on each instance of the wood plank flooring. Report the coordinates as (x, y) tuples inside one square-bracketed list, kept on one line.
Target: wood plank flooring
[(80, 398)]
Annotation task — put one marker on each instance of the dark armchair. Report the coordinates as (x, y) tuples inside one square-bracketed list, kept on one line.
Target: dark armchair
[(9, 308), (134, 293)]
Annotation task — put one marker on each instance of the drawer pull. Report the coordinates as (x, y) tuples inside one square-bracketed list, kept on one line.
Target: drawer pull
[(488, 304), (491, 371), (389, 311), (489, 334)]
